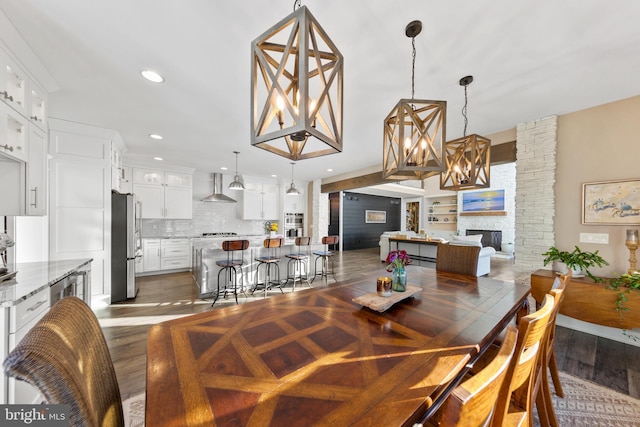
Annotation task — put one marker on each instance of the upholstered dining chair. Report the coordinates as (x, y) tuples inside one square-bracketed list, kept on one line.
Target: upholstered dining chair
[(457, 259), (65, 356), (473, 402), (515, 399)]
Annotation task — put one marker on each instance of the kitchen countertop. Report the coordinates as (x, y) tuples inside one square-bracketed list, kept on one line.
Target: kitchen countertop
[(33, 277)]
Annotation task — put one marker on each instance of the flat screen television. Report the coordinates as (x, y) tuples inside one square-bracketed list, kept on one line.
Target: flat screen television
[(480, 201)]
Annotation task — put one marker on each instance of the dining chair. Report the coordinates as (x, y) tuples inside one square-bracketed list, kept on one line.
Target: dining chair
[(473, 402), (547, 360), (457, 259), (66, 357), (515, 399), (231, 265), (325, 255)]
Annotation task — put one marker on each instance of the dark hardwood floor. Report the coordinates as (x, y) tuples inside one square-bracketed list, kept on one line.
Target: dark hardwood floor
[(164, 297)]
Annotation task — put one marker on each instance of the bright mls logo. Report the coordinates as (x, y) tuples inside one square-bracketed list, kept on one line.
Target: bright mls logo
[(34, 415)]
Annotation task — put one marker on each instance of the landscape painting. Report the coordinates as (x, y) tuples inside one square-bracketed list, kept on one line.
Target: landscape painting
[(611, 202), (481, 201)]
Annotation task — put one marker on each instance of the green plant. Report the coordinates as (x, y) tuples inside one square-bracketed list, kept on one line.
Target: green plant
[(623, 285), (576, 260)]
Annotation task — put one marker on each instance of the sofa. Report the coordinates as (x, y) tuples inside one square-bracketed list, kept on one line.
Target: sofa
[(484, 258)]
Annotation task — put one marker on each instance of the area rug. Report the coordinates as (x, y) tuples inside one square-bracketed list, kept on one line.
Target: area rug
[(585, 404), (589, 404)]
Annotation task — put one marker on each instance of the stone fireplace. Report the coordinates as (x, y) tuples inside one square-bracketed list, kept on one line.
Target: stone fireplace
[(491, 238)]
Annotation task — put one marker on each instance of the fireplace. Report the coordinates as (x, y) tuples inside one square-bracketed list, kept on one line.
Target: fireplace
[(491, 238)]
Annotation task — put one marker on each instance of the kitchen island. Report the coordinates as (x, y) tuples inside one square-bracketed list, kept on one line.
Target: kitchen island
[(25, 299), (205, 270)]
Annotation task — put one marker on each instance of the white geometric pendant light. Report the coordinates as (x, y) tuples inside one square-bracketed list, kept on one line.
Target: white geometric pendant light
[(467, 159), (414, 132), (296, 89)]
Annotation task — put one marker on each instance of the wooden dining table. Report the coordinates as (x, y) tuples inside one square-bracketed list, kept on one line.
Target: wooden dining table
[(315, 357)]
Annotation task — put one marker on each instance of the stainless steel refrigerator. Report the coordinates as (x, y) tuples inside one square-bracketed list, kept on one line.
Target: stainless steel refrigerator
[(125, 246)]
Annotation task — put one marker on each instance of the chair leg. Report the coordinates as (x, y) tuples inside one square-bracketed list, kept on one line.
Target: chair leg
[(553, 368)]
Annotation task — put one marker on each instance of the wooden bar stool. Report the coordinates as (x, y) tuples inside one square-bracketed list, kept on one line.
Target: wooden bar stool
[(269, 261), (299, 260), (231, 265), (325, 256)]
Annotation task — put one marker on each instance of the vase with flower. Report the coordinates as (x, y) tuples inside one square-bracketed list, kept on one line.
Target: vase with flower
[(396, 262)]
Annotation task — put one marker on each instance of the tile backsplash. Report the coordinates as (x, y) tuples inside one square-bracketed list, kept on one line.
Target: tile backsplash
[(207, 218)]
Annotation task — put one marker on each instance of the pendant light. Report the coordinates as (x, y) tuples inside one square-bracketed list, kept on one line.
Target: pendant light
[(296, 89), (238, 181), (467, 159), (414, 131), (292, 191)]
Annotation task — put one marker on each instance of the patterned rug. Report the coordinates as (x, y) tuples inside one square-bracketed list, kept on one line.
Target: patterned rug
[(585, 404)]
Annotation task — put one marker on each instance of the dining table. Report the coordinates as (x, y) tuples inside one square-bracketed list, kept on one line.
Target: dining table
[(317, 357)]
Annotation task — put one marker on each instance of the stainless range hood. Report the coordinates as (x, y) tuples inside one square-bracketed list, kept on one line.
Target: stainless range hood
[(217, 195)]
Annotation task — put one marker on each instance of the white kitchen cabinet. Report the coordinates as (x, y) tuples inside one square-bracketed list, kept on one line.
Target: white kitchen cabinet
[(13, 133), (260, 200), (37, 187), (38, 104), (16, 321), (165, 254), (174, 253), (163, 194), (13, 84), (126, 180), (150, 254)]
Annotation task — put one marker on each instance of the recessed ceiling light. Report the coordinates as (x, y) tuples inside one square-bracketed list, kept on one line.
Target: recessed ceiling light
[(329, 170), (152, 76), (274, 176), (224, 168), (158, 158), (155, 136)]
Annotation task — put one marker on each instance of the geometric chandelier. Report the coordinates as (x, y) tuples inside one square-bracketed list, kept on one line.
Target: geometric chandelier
[(414, 131), (467, 159), (296, 89)]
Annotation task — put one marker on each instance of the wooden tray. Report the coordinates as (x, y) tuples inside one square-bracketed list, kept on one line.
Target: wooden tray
[(376, 302)]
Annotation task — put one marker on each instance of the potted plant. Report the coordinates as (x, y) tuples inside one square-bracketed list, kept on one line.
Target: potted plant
[(578, 261)]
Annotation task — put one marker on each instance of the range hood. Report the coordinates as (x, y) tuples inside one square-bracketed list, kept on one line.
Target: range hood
[(217, 195)]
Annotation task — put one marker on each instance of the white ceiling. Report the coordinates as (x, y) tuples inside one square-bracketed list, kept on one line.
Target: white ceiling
[(529, 58)]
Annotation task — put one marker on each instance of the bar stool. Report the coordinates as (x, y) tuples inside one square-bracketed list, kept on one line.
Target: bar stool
[(299, 260), (269, 261), (325, 256), (230, 266)]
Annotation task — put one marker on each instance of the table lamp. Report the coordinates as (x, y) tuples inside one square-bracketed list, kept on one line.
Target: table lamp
[(632, 244)]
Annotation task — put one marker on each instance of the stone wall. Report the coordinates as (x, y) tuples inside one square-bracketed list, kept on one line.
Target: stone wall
[(535, 200)]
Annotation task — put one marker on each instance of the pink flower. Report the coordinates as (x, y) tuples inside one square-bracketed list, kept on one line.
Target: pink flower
[(397, 259)]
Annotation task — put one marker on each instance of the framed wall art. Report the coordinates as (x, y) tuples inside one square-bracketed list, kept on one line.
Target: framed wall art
[(482, 201), (611, 202), (375, 217)]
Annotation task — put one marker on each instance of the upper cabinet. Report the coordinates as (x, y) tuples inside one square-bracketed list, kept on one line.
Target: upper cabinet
[(13, 84), (23, 138), (163, 194), (260, 200)]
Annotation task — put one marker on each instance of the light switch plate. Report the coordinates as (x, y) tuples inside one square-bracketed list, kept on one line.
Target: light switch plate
[(599, 238)]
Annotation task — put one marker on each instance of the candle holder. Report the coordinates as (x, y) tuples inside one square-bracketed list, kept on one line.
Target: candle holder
[(632, 245)]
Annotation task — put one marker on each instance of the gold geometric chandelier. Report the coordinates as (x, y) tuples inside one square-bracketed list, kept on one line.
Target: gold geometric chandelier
[(414, 131), (467, 159), (296, 89)]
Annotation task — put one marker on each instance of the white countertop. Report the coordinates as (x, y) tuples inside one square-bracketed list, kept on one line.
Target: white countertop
[(32, 277)]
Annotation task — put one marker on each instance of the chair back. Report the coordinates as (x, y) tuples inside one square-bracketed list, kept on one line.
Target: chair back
[(557, 291), (521, 374), (303, 242), (272, 242), (65, 356), (457, 259), (472, 403), (231, 246)]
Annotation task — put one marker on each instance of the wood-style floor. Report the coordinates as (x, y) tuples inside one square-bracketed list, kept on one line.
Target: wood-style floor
[(164, 297)]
